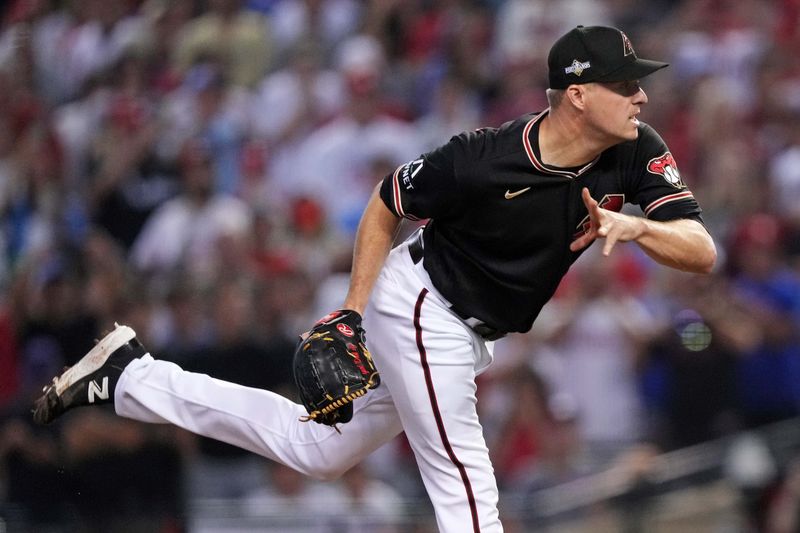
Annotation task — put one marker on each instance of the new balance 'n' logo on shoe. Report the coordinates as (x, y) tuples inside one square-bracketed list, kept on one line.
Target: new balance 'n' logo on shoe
[(100, 391), (92, 380)]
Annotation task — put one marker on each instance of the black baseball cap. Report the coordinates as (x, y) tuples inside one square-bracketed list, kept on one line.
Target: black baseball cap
[(596, 53)]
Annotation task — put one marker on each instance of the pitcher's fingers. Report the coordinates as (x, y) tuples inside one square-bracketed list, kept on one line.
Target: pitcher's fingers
[(581, 242), (588, 201), (609, 243)]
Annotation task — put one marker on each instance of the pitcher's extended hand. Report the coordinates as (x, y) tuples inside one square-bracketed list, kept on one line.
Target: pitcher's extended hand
[(609, 225)]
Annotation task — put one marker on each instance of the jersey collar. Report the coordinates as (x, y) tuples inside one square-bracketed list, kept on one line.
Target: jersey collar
[(532, 149)]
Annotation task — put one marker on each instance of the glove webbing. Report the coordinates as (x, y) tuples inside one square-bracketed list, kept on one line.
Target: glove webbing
[(333, 406)]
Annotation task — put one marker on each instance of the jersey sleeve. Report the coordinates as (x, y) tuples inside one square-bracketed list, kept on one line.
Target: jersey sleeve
[(656, 184), (423, 188)]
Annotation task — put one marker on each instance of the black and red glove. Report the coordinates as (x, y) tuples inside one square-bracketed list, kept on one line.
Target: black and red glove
[(333, 367)]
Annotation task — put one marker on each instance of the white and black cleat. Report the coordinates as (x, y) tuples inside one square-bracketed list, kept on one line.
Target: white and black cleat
[(91, 381)]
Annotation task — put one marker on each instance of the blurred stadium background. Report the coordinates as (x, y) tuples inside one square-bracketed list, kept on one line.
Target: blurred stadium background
[(196, 169)]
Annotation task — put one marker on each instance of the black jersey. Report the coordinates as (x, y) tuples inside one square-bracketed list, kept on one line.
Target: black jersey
[(500, 221)]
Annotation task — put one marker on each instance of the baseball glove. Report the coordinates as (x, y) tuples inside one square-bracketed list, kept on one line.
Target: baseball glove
[(332, 367)]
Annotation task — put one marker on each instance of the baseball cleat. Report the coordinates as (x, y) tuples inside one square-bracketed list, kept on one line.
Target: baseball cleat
[(91, 381)]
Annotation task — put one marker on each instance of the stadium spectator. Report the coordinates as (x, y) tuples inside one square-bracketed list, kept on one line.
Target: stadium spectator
[(184, 231), (239, 39)]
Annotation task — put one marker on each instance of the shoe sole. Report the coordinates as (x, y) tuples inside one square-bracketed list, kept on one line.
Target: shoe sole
[(96, 357)]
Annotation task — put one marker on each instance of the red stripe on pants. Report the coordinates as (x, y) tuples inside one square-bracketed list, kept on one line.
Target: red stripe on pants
[(423, 356)]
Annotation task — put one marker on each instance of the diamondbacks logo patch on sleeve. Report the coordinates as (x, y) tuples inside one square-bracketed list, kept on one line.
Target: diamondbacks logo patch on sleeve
[(665, 166)]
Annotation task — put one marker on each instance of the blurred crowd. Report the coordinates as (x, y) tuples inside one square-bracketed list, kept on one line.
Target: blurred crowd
[(197, 168)]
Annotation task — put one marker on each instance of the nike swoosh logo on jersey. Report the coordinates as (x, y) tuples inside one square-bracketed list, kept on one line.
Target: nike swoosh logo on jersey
[(510, 195)]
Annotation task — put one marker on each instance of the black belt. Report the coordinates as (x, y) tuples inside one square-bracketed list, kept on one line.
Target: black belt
[(415, 250)]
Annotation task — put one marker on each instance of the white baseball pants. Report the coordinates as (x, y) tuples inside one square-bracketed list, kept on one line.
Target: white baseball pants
[(428, 360)]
